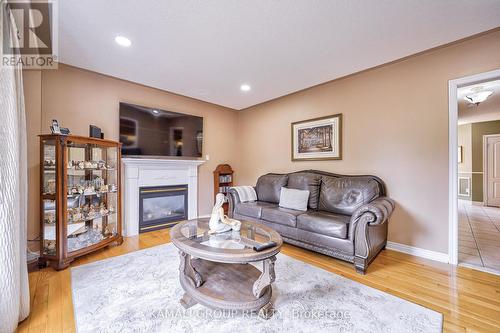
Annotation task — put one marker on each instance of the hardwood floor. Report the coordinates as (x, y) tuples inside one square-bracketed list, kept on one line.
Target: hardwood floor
[(468, 299)]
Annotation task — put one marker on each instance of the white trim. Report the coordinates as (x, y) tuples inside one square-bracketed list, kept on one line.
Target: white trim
[(416, 251), (140, 172), (480, 268), (203, 216), (453, 85)]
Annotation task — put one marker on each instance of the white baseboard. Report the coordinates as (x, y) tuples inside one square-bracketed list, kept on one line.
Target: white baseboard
[(203, 216), (416, 251)]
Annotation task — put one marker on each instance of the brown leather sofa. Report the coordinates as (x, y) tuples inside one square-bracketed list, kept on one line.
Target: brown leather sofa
[(347, 216)]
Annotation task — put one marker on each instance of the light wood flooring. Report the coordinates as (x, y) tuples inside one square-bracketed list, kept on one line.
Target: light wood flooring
[(469, 299)]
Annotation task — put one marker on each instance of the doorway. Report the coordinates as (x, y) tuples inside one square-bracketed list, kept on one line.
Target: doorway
[(474, 105)]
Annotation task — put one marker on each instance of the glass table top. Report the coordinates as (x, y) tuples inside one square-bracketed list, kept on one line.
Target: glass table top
[(249, 236)]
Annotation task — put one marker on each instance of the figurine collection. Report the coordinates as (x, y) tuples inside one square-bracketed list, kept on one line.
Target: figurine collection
[(90, 187), (81, 165), (84, 213)]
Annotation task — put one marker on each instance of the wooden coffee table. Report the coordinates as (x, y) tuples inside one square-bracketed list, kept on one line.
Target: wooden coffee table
[(215, 271)]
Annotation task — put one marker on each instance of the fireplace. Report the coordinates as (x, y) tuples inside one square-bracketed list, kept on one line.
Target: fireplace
[(162, 206)]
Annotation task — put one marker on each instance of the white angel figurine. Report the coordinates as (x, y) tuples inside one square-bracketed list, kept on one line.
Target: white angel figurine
[(218, 221)]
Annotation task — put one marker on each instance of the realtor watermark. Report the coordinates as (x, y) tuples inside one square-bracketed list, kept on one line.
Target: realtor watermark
[(294, 312), (30, 33)]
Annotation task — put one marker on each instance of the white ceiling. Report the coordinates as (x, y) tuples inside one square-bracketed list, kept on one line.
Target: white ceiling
[(486, 111), (207, 49)]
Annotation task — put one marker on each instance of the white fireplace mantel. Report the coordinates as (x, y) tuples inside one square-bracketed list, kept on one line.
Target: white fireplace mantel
[(145, 172)]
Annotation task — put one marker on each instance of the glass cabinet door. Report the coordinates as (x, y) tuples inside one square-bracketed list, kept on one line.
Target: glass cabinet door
[(92, 194), (49, 212)]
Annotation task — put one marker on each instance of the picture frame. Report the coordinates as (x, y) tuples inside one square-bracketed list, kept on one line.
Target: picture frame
[(54, 128), (317, 139)]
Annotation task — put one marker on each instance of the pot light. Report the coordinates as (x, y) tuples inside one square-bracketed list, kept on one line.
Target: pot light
[(123, 41), (478, 97), (156, 111), (245, 87)]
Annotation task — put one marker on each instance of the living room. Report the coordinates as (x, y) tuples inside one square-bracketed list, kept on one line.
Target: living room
[(326, 125)]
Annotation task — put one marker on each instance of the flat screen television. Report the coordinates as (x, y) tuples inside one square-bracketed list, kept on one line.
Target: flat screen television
[(149, 132)]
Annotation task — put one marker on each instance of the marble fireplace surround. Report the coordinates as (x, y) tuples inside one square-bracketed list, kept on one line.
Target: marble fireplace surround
[(145, 172)]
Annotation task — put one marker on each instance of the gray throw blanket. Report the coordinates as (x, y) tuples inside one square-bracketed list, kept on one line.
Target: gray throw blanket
[(246, 193)]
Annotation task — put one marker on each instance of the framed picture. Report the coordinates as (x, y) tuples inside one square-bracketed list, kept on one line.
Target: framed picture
[(317, 139)]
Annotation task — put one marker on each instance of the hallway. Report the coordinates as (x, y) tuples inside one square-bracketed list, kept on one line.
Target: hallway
[(479, 236)]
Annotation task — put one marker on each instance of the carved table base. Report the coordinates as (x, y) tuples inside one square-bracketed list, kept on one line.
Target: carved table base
[(227, 286)]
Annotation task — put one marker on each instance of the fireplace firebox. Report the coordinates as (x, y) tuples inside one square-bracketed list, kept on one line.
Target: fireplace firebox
[(162, 207)]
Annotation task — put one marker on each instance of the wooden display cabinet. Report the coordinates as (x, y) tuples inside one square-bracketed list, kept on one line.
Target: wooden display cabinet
[(223, 180), (80, 197)]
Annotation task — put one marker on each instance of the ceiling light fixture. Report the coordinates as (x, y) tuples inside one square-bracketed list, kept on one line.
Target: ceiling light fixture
[(245, 87), (478, 96), (123, 41), (156, 111)]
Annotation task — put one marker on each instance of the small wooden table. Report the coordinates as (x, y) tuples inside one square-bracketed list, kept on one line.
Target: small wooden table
[(215, 271)]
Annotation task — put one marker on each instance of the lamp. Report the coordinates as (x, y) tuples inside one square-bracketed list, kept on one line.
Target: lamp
[(478, 96)]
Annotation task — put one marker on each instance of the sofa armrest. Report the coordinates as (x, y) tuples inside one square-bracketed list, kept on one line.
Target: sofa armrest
[(376, 212), (234, 199), (368, 230)]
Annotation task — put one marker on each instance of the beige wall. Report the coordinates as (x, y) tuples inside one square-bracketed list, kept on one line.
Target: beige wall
[(33, 104), (464, 134), (78, 98), (395, 126)]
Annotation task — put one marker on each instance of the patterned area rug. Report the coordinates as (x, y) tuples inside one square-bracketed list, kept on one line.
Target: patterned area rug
[(140, 292)]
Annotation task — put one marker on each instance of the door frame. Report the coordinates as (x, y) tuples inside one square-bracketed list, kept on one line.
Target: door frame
[(453, 85), (485, 166)]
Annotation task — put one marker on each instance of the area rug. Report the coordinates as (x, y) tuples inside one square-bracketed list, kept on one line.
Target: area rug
[(140, 292)]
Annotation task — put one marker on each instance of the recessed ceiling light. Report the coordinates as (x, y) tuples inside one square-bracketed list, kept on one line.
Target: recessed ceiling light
[(245, 87), (123, 41), (156, 111)]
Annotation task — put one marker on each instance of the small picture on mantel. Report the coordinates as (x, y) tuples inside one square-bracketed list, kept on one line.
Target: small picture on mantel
[(317, 139)]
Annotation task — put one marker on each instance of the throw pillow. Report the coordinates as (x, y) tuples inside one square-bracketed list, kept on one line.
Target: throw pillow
[(294, 199)]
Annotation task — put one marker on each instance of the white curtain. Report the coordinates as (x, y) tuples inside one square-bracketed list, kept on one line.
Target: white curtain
[(14, 288)]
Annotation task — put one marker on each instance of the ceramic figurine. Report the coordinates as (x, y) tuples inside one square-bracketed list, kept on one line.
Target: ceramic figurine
[(92, 212), (89, 190), (77, 214), (51, 186), (103, 211), (101, 165), (111, 208), (87, 165), (50, 218), (81, 165), (103, 188), (235, 224), (215, 224), (113, 188), (50, 245)]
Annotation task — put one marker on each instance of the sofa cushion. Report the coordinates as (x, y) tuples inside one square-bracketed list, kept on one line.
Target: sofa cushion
[(281, 215), (306, 181), (252, 209), (269, 186), (294, 199), (324, 223), (344, 195)]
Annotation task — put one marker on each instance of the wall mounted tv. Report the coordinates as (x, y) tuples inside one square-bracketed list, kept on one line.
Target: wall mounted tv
[(149, 132)]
